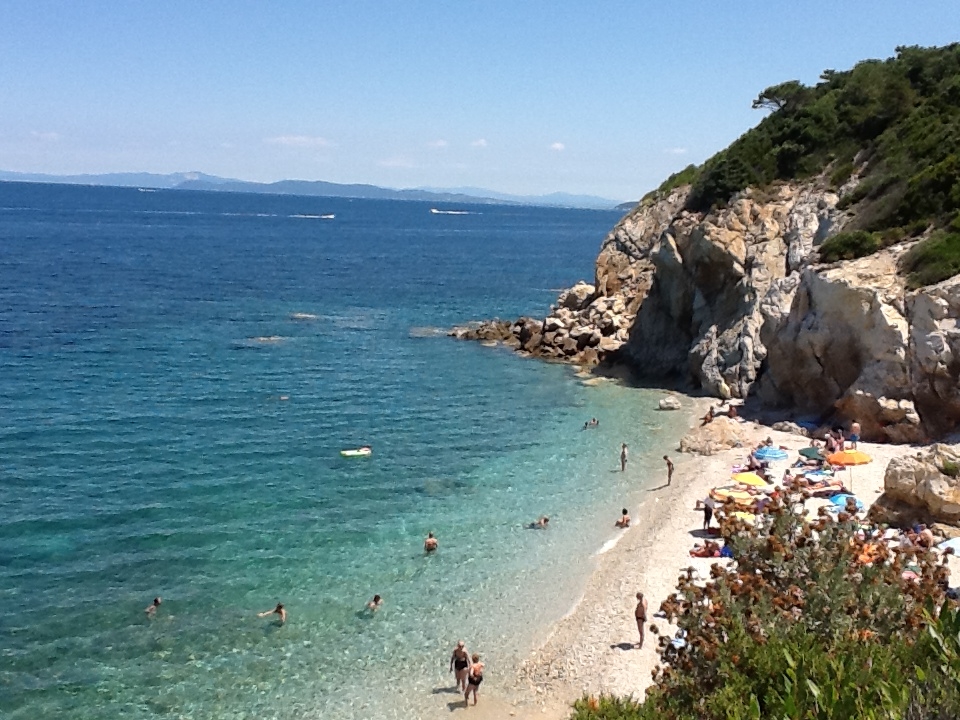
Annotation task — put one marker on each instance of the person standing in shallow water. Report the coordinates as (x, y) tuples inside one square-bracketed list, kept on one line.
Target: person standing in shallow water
[(623, 457), (474, 678), (460, 662), (152, 607), (669, 462), (640, 613)]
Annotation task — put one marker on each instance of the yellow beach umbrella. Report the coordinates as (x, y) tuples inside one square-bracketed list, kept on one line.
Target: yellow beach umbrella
[(750, 478), (745, 516), (740, 497), (849, 458)]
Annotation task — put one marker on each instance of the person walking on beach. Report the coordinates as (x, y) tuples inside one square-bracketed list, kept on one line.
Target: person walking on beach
[(278, 610), (460, 661), (640, 613), (152, 607), (669, 463), (623, 457), (430, 544), (474, 678)]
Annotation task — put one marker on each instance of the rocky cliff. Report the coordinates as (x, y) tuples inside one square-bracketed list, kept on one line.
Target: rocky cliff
[(735, 301)]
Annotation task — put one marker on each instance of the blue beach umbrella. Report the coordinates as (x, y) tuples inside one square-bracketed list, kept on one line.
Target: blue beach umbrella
[(768, 452)]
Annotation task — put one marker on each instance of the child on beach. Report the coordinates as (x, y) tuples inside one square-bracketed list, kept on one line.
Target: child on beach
[(624, 521)]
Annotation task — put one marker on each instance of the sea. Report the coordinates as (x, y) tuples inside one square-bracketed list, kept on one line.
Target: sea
[(179, 372)]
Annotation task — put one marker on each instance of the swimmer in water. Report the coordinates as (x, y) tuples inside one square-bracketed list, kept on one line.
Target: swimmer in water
[(152, 607), (375, 604), (430, 543), (278, 610)]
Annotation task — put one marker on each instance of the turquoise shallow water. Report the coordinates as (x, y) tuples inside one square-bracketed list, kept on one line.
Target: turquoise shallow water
[(178, 372)]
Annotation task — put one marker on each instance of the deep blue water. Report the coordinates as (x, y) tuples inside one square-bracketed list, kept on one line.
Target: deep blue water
[(178, 372)]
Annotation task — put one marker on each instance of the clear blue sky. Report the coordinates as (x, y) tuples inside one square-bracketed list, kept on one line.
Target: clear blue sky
[(528, 97)]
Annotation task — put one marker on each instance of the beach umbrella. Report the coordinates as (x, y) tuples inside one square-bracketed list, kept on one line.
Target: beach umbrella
[(740, 497), (750, 478), (811, 453), (840, 501), (849, 458), (745, 516), (769, 452)]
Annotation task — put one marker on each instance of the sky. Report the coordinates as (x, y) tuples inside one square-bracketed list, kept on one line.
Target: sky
[(532, 97)]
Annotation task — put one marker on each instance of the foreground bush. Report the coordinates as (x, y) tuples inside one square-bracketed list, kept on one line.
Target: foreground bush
[(813, 621)]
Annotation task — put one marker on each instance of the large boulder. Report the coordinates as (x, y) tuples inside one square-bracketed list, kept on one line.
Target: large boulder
[(577, 297), (670, 402), (720, 434), (924, 485)]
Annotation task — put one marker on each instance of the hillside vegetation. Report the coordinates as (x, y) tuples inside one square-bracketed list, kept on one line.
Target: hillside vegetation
[(893, 123)]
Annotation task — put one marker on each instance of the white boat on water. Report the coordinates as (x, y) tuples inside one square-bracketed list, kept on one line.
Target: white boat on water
[(449, 212)]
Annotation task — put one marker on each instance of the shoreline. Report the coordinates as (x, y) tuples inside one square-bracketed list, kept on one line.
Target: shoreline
[(592, 649)]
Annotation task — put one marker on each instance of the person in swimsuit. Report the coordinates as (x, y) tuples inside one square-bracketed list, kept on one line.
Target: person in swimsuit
[(854, 434), (474, 678), (430, 544), (641, 615), (460, 661), (707, 507), (624, 521), (278, 610), (375, 604), (669, 462), (152, 607), (623, 457)]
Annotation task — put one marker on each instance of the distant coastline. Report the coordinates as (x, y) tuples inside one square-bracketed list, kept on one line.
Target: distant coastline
[(312, 188)]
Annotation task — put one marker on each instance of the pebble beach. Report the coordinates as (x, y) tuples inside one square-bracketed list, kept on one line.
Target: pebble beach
[(592, 650)]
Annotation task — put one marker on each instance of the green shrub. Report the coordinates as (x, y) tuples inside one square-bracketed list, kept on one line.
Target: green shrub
[(850, 245), (841, 174), (605, 707), (950, 468), (932, 260)]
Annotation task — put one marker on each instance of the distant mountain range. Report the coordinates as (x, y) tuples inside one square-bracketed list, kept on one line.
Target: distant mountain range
[(320, 188)]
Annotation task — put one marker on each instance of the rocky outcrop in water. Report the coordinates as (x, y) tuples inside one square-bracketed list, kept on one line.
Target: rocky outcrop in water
[(736, 303)]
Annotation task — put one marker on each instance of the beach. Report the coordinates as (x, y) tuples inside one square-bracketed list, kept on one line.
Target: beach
[(593, 650)]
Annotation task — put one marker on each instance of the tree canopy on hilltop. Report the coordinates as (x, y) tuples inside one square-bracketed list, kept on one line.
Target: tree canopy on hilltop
[(896, 122)]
